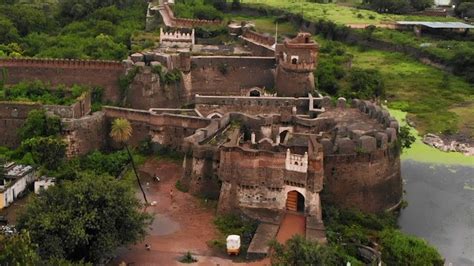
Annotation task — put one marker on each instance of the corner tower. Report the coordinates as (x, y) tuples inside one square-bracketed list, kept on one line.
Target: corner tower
[(296, 59)]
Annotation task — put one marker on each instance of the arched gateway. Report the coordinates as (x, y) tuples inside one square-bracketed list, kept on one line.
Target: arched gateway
[(295, 201)]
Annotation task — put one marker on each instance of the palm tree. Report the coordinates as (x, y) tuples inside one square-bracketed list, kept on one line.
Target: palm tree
[(121, 132)]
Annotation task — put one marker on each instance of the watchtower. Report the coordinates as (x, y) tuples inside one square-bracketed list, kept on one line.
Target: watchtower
[(296, 59)]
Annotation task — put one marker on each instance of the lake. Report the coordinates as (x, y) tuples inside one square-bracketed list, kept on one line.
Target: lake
[(441, 207)]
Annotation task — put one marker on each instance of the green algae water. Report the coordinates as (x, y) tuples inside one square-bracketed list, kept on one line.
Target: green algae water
[(439, 189), (421, 152)]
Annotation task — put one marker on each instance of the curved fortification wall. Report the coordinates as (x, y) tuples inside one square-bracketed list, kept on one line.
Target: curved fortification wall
[(362, 170)]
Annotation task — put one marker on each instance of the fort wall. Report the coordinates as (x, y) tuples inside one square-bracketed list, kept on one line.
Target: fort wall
[(230, 75), (93, 73), (164, 129), (362, 169), (12, 118), (85, 134)]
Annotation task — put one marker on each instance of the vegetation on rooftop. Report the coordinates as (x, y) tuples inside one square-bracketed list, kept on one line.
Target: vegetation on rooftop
[(40, 92)]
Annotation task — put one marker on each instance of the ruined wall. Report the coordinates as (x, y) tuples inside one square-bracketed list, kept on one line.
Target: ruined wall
[(12, 118), (208, 105), (85, 134), (103, 74), (167, 130), (229, 75), (80, 108), (147, 91)]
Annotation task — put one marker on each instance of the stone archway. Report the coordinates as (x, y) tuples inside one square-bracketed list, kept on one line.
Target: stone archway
[(255, 93), (295, 201), (214, 116), (283, 135)]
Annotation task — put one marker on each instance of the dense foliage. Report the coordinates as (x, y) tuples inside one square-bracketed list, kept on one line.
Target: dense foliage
[(232, 224), (18, 250), (347, 228), (45, 151), (84, 219), (39, 124), (201, 9), (299, 251), (69, 28), (41, 92)]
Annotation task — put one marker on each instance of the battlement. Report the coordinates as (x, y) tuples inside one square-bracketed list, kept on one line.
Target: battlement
[(259, 38), (177, 37), (184, 22), (380, 134), (296, 162), (60, 63)]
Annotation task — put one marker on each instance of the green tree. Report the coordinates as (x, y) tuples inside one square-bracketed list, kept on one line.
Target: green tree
[(299, 251), (85, 219), (46, 151), (366, 83), (421, 4), (406, 138), (39, 124), (8, 32), (401, 249), (18, 250), (121, 132)]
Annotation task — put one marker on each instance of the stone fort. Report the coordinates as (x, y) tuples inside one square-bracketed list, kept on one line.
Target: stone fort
[(256, 134)]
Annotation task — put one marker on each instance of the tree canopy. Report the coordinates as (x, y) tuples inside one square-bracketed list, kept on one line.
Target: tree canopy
[(85, 219)]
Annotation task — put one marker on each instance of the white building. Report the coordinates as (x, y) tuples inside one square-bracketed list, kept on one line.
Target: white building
[(442, 2), (17, 179), (44, 183)]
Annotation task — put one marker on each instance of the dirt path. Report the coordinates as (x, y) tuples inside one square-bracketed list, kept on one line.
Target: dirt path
[(292, 224), (181, 224)]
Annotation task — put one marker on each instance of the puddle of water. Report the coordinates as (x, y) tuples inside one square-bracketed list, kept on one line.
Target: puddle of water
[(162, 225)]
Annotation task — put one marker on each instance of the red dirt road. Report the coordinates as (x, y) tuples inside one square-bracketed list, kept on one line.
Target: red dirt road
[(181, 224), (292, 224)]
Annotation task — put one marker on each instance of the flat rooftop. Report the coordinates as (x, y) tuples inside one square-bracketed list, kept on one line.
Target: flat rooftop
[(438, 25)]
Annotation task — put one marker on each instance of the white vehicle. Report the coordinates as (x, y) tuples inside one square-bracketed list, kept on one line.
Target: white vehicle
[(233, 245)]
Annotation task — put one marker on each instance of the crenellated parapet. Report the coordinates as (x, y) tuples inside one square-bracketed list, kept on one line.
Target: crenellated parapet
[(60, 63), (259, 38)]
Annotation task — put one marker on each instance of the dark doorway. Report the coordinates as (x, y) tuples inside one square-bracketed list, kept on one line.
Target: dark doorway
[(283, 135), (294, 61), (295, 201), (254, 93)]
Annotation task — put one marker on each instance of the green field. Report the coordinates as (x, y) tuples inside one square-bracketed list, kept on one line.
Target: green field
[(437, 102), (341, 14)]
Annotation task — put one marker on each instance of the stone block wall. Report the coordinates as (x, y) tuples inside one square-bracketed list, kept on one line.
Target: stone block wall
[(12, 118), (103, 74), (228, 75), (85, 134), (362, 169)]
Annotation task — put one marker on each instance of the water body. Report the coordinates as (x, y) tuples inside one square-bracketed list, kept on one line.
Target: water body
[(441, 208)]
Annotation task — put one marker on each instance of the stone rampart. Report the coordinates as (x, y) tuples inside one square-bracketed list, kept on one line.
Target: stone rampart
[(259, 38), (362, 169), (78, 109), (94, 73), (184, 22), (85, 134)]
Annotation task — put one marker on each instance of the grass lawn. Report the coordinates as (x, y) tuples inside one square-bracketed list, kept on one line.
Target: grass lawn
[(436, 101), (341, 14)]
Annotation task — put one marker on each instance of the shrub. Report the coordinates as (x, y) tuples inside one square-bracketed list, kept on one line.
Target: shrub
[(401, 249), (39, 124), (188, 258), (366, 83)]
